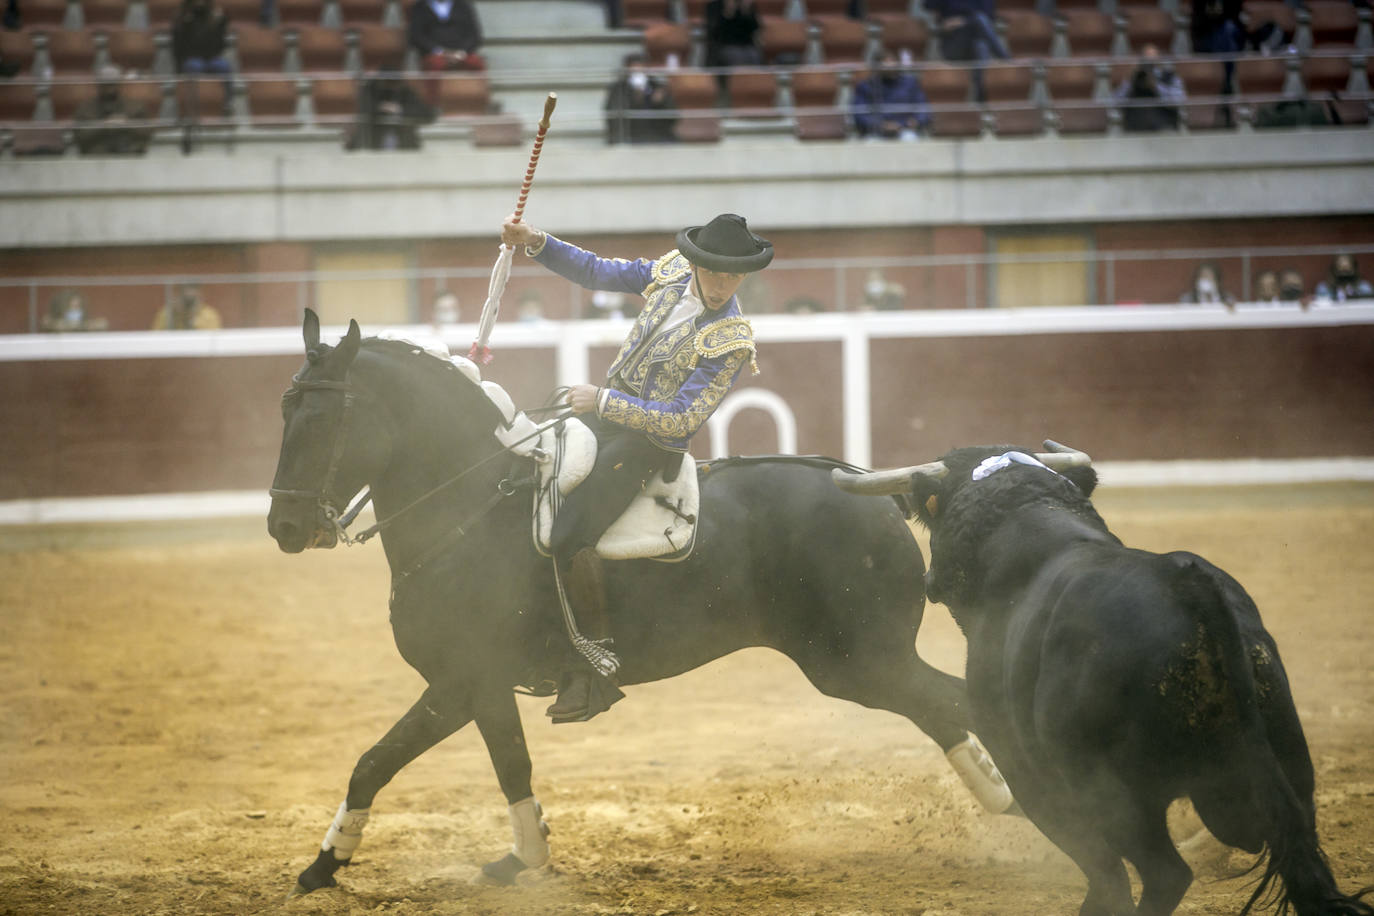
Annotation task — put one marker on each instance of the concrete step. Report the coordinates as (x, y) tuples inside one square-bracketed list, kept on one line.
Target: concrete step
[(579, 105), (504, 18), (574, 55)]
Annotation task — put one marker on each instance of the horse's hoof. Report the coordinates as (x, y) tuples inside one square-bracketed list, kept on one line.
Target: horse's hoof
[(319, 874), (500, 873), (297, 891)]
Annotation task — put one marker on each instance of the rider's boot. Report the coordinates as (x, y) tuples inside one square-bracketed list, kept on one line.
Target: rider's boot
[(583, 692)]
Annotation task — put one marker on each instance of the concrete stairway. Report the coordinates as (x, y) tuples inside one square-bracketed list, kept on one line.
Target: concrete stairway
[(534, 47)]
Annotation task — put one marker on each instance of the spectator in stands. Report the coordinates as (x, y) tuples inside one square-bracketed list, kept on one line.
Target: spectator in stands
[(732, 34), (199, 38), (1153, 79), (882, 294), (631, 100), (187, 312), (109, 124), (1291, 286), (1343, 283), (529, 308), (1206, 287), (605, 304), (803, 305), (447, 33), (1216, 27), (1267, 289), (968, 32), (12, 20), (67, 312), (890, 104), (390, 114)]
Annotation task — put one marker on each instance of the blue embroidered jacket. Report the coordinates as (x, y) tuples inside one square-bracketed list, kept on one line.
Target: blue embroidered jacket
[(665, 386)]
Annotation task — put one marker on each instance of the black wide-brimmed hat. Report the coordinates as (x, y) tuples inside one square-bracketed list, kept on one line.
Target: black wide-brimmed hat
[(725, 245)]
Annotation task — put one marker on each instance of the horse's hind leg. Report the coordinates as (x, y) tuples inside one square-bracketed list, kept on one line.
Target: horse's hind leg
[(935, 701), (433, 718)]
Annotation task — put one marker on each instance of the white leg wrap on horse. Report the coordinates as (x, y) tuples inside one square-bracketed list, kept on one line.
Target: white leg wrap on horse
[(346, 832), (980, 774), (531, 845)]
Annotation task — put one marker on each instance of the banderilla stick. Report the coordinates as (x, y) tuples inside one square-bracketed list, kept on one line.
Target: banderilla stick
[(549, 104)]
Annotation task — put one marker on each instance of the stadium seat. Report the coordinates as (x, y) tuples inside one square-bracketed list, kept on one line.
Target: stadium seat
[(334, 100), (463, 94), (71, 52), (640, 14), (299, 12), (904, 34), (876, 8), (696, 9), (1261, 75), (753, 93), (17, 48), (843, 40), (1202, 79), (818, 9), (362, 12), (1333, 24), (321, 48), (240, 12), (1072, 89), (497, 130), (259, 49), (1008, 91), (694, 91), (381, 47), (65, 98), (1327, 80), (104, 14), (162, 12), (665, 38), (131, 49), (18, 101), (272, 102), (1149, 25), (783, 40), (44, 14), (952, 112), (1089, 32), (1026, 33), (202, 100), (815, 94)]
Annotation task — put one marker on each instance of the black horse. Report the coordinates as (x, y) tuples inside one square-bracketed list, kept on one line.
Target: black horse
[(783, 559)]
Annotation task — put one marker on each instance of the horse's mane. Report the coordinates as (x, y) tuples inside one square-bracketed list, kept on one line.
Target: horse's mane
[(402, 349)]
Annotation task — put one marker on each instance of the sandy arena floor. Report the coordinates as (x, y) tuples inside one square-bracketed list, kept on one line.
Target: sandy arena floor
[(179, 717)]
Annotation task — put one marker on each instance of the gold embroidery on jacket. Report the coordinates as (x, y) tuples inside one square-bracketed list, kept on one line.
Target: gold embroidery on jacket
[(673, 425), (662, 350), (654, 311), (727, 336), (668, 270)]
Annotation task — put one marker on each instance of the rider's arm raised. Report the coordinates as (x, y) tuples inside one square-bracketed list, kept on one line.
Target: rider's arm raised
[(587, 270)]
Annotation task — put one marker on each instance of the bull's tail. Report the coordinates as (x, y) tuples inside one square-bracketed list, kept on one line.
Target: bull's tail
[(1295, 873)]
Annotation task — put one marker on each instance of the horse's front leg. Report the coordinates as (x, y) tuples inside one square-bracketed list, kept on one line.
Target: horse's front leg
[(499, 721), (435, 716)]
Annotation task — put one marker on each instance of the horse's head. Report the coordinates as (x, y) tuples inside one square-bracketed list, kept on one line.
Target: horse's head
[(331, 446)]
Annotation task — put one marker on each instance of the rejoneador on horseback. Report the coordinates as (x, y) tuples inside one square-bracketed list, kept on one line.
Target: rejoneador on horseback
[(679, 361)]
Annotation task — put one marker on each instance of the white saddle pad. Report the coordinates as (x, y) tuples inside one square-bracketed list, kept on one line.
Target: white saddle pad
[(647, 529)]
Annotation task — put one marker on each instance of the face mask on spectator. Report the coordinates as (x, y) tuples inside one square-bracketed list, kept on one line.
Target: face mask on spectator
[(638, 81), (1290, 292)]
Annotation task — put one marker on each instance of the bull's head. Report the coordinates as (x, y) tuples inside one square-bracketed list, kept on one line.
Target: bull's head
[(942, 492), (330, 444)]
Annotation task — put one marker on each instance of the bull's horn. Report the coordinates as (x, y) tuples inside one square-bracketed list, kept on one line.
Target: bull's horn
[(886, 483), (1061, 457)]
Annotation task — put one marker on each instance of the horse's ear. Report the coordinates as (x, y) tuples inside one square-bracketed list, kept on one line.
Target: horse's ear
[(348, 346), (311, 330)]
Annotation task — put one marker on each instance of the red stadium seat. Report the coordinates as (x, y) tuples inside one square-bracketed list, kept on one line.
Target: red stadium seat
[(65, 98), (694, 91), (103, 14), (260, 50), (783, 40), (16, 48), (299, 12), (71, 52), (843, 40), (162, 12), (1334, 23), (241, 12), (18, 101), (1028, 34), (952, 112), (1261, 75), (131, 49), (462, 94), (665, 38), (272, 102), (878, 8), (753, 93), (362, 12), (640, 14), (1008, 91), (1202, 79), (819, 9), (696, 9), (381, 47), (1089, 32), (202, 100), (322, 49), (1327, 79), (1072, 88), (334, 100), (904, 34), (1149, 25), (1259, 12), (43, 14), (814, 94)]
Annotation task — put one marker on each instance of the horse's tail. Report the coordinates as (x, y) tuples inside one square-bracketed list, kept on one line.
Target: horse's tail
[(1295, 873)]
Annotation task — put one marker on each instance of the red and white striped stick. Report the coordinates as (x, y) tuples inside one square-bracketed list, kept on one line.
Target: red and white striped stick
[(480, 352)]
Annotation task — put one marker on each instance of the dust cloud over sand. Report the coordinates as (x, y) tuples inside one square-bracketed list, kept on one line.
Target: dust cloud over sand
[(179, 716)]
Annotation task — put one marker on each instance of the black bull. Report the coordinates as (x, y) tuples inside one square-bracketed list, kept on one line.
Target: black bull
[(1107, 682), (783, 559)]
